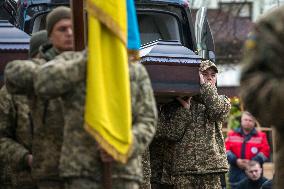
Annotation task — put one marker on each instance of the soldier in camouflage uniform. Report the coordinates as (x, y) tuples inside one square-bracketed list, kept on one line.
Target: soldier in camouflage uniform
[(47, 115), (195, 127), (161, 152), (262, 80), (16, 131), (16, 140), (80, 161), (59, 30)]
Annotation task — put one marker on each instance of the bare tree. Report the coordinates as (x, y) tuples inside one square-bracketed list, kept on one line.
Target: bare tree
[(227, 24)]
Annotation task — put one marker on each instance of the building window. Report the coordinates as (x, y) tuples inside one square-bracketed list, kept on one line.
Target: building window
[(239, 9)]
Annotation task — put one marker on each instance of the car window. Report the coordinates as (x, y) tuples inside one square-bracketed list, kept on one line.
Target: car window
[(158, 26), (39, 23)]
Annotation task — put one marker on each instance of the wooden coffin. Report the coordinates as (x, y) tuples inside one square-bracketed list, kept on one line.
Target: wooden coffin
[(173, 70)]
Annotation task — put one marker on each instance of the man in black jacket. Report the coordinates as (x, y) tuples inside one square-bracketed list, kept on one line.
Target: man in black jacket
[(254, 178)]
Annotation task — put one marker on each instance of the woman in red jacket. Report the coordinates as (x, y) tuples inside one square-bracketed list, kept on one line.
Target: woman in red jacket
[(244, 144)]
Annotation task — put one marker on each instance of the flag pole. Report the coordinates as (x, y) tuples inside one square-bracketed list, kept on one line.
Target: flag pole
[(107, 172), (77, 7)]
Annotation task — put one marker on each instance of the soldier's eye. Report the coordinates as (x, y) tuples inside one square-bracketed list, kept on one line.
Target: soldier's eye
[(62, 29)]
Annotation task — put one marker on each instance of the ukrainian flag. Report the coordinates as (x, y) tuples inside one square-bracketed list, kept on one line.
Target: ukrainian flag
[(108, 100)]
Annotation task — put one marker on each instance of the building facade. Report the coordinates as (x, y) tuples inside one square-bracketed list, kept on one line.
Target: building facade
[(245, 8)]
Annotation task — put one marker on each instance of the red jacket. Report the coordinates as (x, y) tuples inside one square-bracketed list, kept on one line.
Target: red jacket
[(255, 148)]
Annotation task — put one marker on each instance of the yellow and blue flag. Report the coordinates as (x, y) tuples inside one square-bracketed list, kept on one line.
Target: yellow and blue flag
[(108, 100), (133, 37)]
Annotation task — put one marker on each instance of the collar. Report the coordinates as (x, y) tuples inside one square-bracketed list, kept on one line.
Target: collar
[(240, 131)]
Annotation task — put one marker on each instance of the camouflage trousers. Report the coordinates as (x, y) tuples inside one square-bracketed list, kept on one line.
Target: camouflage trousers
[(50, 185), (82, 183), (206, 181), (146, 171)]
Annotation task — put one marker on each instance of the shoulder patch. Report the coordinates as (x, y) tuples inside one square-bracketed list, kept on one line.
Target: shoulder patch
[(251, 41)]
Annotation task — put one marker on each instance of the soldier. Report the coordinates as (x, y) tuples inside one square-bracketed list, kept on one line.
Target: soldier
[(194, 126), (161, 152), (81, 162), (262, 80), (59, 31), (16, 130), (47, 114)]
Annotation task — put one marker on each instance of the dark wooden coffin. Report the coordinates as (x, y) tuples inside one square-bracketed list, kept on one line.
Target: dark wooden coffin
[(173, 69)]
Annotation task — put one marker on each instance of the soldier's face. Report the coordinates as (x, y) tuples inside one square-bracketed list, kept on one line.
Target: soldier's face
[(247, 122), (61, 36), (254, 172), (210, 76)]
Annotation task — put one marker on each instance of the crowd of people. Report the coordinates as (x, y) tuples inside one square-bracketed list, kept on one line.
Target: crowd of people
[(244, 144), (178, 145)]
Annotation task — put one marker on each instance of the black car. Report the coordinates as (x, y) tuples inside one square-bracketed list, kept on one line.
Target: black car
[(172, 45), (29, 15), (166, 20)]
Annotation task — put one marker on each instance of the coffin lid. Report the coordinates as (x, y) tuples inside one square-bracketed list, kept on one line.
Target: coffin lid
[(168, 52), (12, 38)]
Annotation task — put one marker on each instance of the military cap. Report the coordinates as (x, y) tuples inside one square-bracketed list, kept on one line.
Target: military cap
[(205, 64), (36, 41), (55, 16)]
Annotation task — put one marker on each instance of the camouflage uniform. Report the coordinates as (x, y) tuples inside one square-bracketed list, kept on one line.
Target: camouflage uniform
[(160, 154), (146, 168), (16, 129), (88, 184), (198, 156), (262, 80), (80, 157), (156, 159), (47, 117), (203, 181), (15, 139)]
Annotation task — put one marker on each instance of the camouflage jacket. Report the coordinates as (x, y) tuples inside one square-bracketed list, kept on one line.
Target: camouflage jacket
[(263, 70), (15, 139), (160, 154), (200, 148), (47, 118), (80, 157), (146, 168), (262, 80)]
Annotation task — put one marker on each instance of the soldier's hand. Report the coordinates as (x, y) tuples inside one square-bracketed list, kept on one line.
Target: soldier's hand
[(202, 81), (184, 103), (105, 157), (30, 160)]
